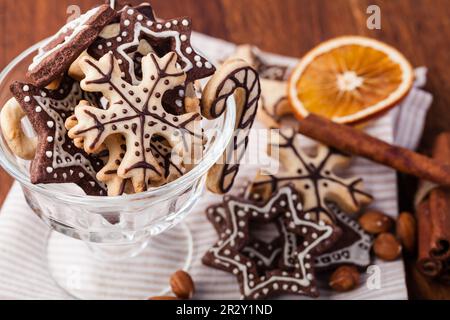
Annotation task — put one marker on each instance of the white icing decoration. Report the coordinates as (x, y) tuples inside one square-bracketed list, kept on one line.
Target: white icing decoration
[(76, 25), (138, 28), (183, 37), (38, 109), (26, 88), (356, 255), (49, 169), (126, 22), (61, 132), (326, 232), (185, 23), (27, 99), (49, 154), (140, 17)]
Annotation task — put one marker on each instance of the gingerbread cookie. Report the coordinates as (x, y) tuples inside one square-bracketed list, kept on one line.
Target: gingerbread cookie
[(274, 100), (235, 78), (266, 70), (144, 8), (313, 176), (227, 253), (111, 154), (274, 103), (140, 35), (352, 248), (55, 57), (135, 112), (265, 255), (117, 186), (20, 144), (161, 150), (57, 159)]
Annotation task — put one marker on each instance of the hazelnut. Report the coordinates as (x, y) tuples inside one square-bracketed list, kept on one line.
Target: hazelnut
[(387, 247), (182, 285), (375, 222), (345, 278), (163, 298), (406, 231)]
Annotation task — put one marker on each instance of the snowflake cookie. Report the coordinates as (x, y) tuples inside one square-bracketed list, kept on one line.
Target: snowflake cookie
[(136, 112), (314, 177)]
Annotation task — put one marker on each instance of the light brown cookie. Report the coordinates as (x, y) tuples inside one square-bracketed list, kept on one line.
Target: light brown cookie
[(136, 112), (253, 56), (274, 104), (117, 186), (112, 153), (11, 123), (235, 78), (314, 176)]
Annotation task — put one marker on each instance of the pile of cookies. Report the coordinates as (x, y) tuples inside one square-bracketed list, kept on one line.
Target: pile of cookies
[(305, 202), (305, 212), (114, 100)]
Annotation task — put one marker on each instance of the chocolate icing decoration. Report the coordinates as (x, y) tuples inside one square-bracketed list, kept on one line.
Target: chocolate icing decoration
[(237, 79), (135, 113), (313, 177)]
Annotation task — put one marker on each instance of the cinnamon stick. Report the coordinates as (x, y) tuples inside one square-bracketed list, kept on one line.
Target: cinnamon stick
[(427, 265), (356, 142), (433, 220)]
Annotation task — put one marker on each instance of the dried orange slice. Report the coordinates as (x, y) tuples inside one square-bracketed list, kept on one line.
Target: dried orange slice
[(350, 80)]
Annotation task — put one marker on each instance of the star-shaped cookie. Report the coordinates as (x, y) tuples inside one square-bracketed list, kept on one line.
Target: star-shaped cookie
[(57, 160), (352, 248), (227, 253), (138, 35)]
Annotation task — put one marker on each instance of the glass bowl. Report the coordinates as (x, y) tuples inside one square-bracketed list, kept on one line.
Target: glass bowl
[(96, 243)]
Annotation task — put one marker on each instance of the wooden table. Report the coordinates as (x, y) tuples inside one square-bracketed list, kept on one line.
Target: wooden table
[(420, 29)]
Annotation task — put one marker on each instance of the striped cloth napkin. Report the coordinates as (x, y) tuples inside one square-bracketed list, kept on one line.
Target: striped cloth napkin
[(23, 258)]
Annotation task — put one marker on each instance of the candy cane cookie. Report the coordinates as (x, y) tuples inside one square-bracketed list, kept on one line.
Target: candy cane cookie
[(235, 78), (10, 121)]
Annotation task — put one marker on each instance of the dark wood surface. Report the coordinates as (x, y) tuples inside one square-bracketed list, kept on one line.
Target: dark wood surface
[(419, 28)]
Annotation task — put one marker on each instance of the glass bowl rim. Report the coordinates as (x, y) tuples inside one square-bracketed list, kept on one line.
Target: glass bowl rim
[(207, 162)]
